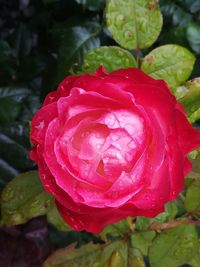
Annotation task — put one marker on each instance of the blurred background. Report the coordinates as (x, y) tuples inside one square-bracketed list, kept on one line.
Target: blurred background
[(42, 41)]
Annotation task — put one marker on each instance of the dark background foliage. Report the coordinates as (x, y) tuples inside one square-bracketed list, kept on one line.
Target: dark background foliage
[(41, 41)]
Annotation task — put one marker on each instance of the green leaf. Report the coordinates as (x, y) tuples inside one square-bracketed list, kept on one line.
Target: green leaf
[(10, 148), (10, 97), (170, 212), (192, 200), (14, 140), (142, 223), (118, 256), (76, 41), (176, 247), (5, 52), (196, 166), (15, 93), (116, 230), (142, 241), (24, 198), (7, 172), (111, 57), (194, 154), (192, 5), (193, 36), (22, 41), (134, 23), (92, 5), (175, 33), (9, 109), (191, 99), (55, 219), (171, 63), (135, 258), (112, 255)]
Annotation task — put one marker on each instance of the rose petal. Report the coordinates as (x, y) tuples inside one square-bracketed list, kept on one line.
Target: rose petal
[(41, 121)]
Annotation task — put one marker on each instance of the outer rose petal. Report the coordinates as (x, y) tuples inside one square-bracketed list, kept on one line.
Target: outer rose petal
[(41, 121), (155, 195), (62, 91), (95, 224)]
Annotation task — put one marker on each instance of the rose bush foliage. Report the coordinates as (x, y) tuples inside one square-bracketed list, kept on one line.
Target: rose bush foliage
[(110, 146)]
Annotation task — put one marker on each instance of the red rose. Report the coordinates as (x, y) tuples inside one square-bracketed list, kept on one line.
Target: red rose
[(110, 146)]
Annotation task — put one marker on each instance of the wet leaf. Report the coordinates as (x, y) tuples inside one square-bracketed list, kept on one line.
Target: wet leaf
[(175, 247), (116, 230), (193, 36), (9, 110), (171, 63), (170, 212), (5, 53), (14, 153), (142, 241), (55, 219), (192, 200), (7, 172), (111, 57), (22, 41), (76, 41), (24, 198), (142, 223), (114, 254), (135, 258), (14, 140), (191, 99), (10, 98), (134, 24)]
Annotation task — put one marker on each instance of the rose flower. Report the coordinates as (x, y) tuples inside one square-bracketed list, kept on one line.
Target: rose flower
[(110, 146)]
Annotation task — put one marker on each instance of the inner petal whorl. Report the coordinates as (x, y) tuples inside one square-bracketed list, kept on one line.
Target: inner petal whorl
[(111, 144)]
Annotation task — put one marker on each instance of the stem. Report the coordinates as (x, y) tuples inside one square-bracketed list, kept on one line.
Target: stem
[(138, 56), (182, 197), (171, 224)]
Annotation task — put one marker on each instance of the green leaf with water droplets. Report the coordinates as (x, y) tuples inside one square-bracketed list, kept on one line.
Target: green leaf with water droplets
[(192, 200), (142, 223), (170, 212), (134, 23), (10, 99), (194, 154), (171, 63), (142, 241), (75, 42), (96, 255), (135, 258), (176, 247), (191, 99), (196, 166), (116, 230), (56, 220), (111, 57), (24, 198), (193, 36)]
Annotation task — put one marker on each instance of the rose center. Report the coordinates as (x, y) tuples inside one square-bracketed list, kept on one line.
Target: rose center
[(112, 144)]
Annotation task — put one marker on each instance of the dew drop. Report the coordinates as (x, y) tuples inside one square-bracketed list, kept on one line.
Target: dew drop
[(40, 126)]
